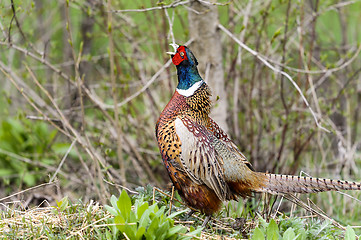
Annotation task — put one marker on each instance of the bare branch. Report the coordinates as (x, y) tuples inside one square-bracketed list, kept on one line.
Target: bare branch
[(264, 61), (172, 5), (62, 161), (170, 21)]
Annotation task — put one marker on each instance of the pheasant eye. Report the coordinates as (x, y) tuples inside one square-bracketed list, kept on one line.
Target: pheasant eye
[(181, 54)]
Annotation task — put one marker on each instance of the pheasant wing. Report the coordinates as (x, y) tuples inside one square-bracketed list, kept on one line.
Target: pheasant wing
[(199, 158), (223, 137)]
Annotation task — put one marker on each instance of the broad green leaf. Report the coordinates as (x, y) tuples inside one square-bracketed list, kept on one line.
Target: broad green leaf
[(5, 172), (111, 210), (272, 230), (108, 235), (193, 234), (144, 220), (130, 230), (174, 230), (124, 204), (140, 233), (132, 217), (258, 234), (150, 234), (162, 230), (120, 222), (289, 234), (113, 201), (62, 148), (133, 228), (173, 215), (350, 234), (152, 209), (302, 235), (52, 135), (141, 209), (160, 212), (29, 179)]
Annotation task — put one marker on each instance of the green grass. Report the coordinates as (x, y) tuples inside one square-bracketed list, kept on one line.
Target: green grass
[(64, 221), (149, 215)]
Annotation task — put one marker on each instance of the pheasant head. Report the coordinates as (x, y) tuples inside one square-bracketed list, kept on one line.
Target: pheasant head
[(189, 79)]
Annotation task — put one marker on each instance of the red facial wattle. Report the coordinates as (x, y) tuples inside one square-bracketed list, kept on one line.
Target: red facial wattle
[(180, 56)]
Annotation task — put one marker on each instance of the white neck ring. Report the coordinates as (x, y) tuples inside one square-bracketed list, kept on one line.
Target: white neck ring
[(189, 92)]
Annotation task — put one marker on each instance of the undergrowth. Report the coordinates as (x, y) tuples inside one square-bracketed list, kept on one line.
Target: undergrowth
[(150, 214)]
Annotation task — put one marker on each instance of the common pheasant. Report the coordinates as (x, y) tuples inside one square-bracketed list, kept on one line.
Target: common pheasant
[(205, 166)]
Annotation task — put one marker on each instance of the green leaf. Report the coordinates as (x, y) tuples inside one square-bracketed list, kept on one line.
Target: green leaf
[(62, 148), (174, 230), (302, 235), (150, 234), (153, 209), (161, 231), (29, 179), (173, 215), (141, 209), (113, 201), (272, 230), (132, 217), (124, 205), (120, 222), (160, 215), (350, 234), (258, 234), (276, 34), (131, 230), (111, 210), (63, 203), (5, 172), (140, 233), (289, 234), (145, 219), (196, 233)]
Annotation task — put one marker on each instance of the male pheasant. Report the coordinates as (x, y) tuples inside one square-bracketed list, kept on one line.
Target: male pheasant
[(205, 166)]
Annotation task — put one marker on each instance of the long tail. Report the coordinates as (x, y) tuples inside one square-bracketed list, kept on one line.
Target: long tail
[(275, 183)]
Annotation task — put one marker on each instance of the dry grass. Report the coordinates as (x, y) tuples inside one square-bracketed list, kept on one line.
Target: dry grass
[(77, 221), (92, 221)]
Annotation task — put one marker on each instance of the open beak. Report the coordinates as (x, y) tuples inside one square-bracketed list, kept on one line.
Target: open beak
[(175, 46)]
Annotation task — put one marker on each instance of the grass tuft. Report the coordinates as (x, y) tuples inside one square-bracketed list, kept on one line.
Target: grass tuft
[(62, 221)]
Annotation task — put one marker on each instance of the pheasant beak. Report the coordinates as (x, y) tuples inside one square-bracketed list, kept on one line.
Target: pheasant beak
[(175, 46)]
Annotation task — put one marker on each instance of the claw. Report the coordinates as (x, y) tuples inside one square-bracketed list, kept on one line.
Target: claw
[(175, 46)]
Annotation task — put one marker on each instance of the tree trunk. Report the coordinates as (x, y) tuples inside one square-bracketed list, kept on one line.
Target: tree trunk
[(207, 48)]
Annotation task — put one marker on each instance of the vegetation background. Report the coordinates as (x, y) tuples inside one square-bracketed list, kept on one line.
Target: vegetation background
[(83, 83)]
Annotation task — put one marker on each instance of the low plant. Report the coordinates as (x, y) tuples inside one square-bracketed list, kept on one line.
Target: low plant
[(299, 229), (143, 221)]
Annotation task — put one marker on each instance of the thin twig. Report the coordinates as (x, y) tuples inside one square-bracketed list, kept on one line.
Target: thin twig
[(63, 160), (264, 61), (27, 98), (170, 22), (38, 163), (121, 186), (172, 5), (117, 125), (29, 189), (19, 27), (145, 87), (171, 201)]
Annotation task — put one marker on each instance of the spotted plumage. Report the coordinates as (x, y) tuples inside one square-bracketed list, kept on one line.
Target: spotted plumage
[(205, 166)]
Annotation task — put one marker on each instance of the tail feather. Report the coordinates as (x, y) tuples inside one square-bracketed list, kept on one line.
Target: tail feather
[(275, 183)]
